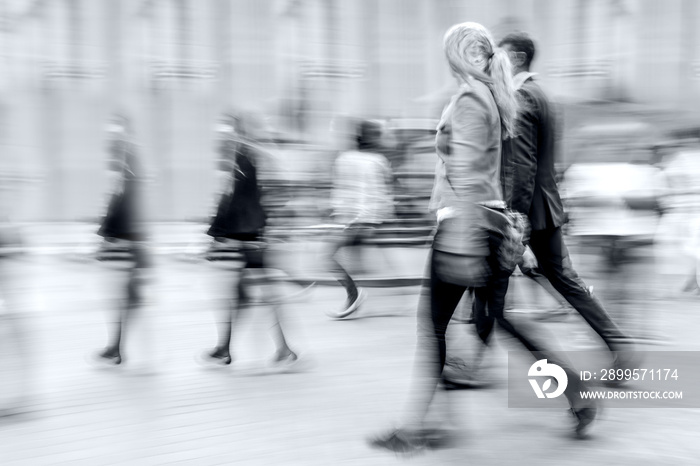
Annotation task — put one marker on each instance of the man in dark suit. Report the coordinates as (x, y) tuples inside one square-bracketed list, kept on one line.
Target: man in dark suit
[(531, 188)]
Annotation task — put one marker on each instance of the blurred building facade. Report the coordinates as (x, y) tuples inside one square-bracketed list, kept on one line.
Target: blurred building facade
[(173, 66)]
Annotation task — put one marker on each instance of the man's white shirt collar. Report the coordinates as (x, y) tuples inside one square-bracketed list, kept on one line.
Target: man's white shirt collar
[(520, 78)]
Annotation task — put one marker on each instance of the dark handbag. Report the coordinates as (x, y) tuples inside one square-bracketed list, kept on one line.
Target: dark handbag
[(507, 231), (469, 267), (460, 269)]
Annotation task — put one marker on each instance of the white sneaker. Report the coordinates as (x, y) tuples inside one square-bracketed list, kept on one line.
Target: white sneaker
[(351, 307)]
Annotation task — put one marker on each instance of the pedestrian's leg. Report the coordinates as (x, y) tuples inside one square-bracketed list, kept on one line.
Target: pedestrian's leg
[(271, 291), (231, 313), (483, 320), (127, 306), (347, 239), (437, 303), (542, 281), (552, 255), (283, 351), (467, 371), (541, 344)]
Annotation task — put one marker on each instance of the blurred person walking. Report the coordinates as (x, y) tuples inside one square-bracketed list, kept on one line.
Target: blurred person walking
[(238, 227), (17, 338), (123, 231), (532, 190), (477, 244), (680, 222), (361, 200)]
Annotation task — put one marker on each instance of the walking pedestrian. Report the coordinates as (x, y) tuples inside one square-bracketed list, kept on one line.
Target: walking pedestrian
[(238, 227), (476, 244), (529, 161), (123, 232), (361, 200)]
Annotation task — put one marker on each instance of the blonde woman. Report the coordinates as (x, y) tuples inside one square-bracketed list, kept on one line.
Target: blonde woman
[(468, 246)]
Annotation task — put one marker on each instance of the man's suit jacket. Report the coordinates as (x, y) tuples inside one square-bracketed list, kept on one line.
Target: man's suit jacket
[(529, 174)]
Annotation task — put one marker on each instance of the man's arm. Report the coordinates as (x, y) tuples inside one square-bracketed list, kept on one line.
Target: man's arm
[(524, 155)]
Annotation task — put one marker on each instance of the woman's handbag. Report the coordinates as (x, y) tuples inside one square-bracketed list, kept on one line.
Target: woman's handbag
[(507, 231), (466, 264), (460, 269)]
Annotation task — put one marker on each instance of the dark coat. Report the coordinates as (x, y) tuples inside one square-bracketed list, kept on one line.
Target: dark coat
[(530, 184), (240, 213)]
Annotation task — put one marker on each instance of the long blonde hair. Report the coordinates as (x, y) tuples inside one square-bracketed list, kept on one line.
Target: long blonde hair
[(489, 64)]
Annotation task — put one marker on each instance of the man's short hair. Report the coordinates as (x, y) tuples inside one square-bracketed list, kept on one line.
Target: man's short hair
[(520, 42)]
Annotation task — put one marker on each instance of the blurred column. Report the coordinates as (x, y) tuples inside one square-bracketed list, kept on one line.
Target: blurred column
[(689, 63), (114, 53), (580, 49), (371, 47), (75, 29), (5, 108), (324, 89), (49, 131), (161, 107), (186, 90), (331, 54), (222, 45), (184, 29), (619, 17), (292, 98)]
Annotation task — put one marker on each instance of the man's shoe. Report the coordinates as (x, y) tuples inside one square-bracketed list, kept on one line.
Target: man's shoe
[(584, 418), (399, 441), (465, 384), (628, 359), (437, 438), (459, 375)]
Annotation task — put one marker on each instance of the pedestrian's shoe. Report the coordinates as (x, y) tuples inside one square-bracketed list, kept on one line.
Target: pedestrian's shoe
[(400, 441), (285, 358), (628, 359), (465, 383), (218, 355), (110, 356), (458, 375), (625, 361), (351, 305), (584, 418), (436, 438), (289, 362)]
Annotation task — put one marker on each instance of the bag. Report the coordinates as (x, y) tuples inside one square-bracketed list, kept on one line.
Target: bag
[(507, 232), (459, 269), (467, 264)]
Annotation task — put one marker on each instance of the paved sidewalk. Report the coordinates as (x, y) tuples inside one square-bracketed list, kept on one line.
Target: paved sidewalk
[(163, 408), (250, 415)]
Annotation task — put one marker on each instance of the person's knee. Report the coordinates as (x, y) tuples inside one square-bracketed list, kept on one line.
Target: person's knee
[(568, 283)]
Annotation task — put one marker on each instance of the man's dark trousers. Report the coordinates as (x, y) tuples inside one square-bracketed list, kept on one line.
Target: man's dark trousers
[(555, 264)]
